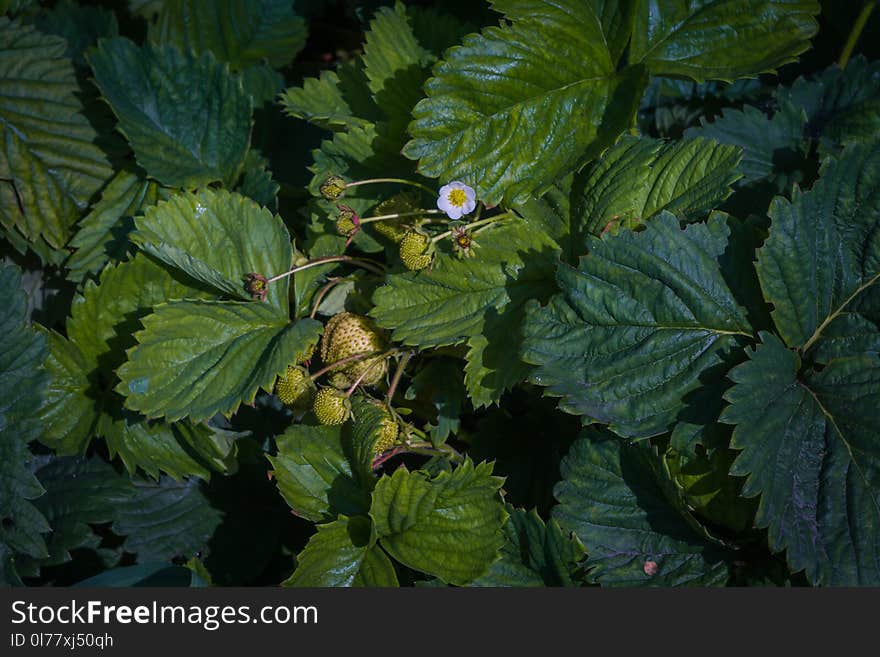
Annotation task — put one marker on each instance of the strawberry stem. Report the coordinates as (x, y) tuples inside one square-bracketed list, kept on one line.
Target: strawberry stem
[(402, 181), (401, 366), (399, 215), (481, 222), (424, 448), (369, 265)]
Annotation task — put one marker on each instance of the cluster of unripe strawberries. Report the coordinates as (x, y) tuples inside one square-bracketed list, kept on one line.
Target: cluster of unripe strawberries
[(358, 345)]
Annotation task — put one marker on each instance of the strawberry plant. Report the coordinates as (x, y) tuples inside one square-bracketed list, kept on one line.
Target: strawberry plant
[(534, 293)]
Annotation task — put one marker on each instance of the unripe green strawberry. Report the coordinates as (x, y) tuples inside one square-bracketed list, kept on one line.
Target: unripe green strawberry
[(295, 388), (347, 334), (395, 229), (387, 433), (415, 251), (388, 429), (331, 406)]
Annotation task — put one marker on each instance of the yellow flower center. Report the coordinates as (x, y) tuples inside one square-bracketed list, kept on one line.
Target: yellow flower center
[(457, 197)]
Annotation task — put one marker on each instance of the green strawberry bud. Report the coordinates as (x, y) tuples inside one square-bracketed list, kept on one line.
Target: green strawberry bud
[(348, 222), (333, 188)]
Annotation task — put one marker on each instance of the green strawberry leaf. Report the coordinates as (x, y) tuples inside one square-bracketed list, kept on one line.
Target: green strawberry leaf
[(22, 380), (186, 118), (240, 32), (617, 499), (165, 519), (440, 384), (217, 238), (79, 493), (809, 448), (448, 525), (721, 39), (322, 101), (79, 402), (478, 300), (257, 182), (823, 252), (639, 178), (655, 303), (534, 554), (198, 358), (318, 471), (771, 146), (435, 29), (103, 234), (81, 27), (70, 409), (395, 64), (499, 112), (343, 553), (50, 165), (840, 105)]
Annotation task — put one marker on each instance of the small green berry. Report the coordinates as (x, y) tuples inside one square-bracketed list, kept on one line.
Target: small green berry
[(415, 250), (347, 334), (295, 388), (331, 406)]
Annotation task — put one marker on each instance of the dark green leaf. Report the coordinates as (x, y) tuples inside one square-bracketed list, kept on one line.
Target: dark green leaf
[(103, 233), (644, 317), (318, 473), (616, 499), (809, 448), (841, 105), (721, 39), (239, 32), (79, 493), (148, 574), (81, 27), (771, 145), (187, 120), (639, 178), (50, 166), (79, 403), (824, 246), (22, 380), (518, 106), (165, 519), (534, 554)]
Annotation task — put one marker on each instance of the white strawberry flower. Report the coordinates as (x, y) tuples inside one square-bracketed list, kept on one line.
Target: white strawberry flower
[(457, 199)]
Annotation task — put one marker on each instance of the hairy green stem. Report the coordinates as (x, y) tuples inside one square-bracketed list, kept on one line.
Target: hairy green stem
[(471, 226), (397, 375), (399, 215), (357, 262), (402, 181)]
